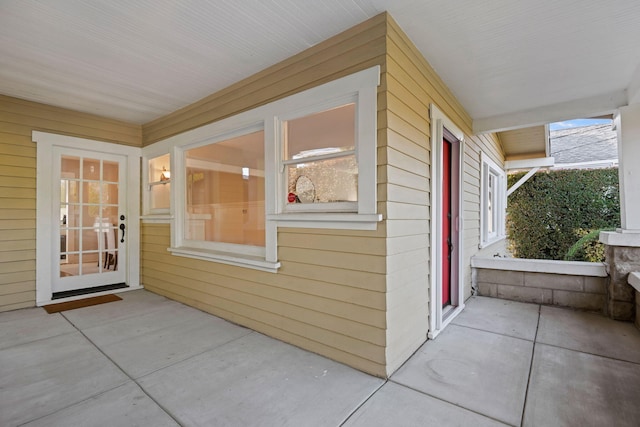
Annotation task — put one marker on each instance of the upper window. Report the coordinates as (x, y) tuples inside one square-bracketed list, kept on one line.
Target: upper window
[(321, 167), (493, 202)]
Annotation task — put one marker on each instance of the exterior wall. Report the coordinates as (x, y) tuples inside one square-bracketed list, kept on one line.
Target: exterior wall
[(329, 294), (18, 118), (404, 143)]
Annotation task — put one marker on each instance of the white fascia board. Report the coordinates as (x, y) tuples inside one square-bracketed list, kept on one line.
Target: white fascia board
[(542, 162), (573, 268), (586, 107)]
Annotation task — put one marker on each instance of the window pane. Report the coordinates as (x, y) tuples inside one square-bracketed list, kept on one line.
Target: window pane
[(70, 167), (326, 181), (91, 169), (224, 204), (160, 197), (321, 133), (159, 168), (110, 171)]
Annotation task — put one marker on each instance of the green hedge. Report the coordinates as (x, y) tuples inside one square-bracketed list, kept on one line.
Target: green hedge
[(553, 210)]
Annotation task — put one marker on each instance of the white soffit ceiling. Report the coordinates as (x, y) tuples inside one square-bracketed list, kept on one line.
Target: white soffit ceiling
[(509, 62)]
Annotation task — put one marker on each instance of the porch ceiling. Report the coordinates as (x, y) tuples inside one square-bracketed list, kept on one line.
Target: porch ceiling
[(510, 63)]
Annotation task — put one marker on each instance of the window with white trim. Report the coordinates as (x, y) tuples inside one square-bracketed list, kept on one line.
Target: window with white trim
[(156, 183), (307, 160), (320, 164), (493, 198), (225, 194)]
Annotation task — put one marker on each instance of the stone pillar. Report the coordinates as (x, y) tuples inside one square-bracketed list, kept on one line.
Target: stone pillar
[(623, 246), (622, 258)]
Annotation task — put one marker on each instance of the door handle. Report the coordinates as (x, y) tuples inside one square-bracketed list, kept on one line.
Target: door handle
[(122, 227)]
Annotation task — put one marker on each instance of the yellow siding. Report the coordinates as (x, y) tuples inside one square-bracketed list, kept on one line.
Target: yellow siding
[(329, 294), (412, 86), (18, 118)]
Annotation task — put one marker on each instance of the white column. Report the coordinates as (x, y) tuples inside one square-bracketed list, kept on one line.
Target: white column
[(628, 126)]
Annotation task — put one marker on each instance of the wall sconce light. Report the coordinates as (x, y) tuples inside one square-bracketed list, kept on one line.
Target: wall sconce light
[(165, 175)]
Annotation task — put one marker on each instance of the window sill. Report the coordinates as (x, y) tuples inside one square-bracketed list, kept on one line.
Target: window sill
[(341, 221), (237, 260)]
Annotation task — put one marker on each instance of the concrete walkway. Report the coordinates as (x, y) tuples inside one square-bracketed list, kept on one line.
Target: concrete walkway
[(149, 361)]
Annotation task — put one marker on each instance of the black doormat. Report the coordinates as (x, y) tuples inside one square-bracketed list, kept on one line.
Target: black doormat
[(86, 291)]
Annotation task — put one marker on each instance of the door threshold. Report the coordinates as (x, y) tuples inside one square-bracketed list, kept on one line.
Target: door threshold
[(87, 291), (447, 310)]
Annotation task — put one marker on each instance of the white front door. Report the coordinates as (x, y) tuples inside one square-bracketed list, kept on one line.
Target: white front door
[(88, 212), (90, 207)]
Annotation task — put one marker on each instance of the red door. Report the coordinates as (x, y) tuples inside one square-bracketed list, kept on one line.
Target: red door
[(446, 223)]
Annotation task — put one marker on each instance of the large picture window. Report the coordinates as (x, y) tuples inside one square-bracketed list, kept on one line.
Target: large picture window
[(493, 199), (225, 192)]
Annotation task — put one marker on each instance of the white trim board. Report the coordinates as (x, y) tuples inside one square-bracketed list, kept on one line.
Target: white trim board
[(437, 320)]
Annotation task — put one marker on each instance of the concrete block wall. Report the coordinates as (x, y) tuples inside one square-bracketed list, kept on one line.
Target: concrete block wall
[(565, 290)]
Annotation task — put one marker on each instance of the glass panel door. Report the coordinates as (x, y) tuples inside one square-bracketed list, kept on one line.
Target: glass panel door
[(90, 200)]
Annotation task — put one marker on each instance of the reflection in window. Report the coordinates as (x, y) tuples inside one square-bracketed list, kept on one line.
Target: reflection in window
[(225, 191), (320, 158), (159, 183)]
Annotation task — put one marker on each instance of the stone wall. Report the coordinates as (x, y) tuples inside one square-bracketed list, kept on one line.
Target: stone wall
[(578, 285), (621, 261)]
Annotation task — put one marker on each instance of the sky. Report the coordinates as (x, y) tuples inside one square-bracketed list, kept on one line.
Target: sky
[(568, 124)]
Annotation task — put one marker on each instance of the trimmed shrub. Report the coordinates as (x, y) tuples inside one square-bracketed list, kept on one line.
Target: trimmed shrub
[(554, 209)]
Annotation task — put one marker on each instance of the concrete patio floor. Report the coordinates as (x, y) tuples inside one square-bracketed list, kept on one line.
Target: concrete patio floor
[(150, 361)]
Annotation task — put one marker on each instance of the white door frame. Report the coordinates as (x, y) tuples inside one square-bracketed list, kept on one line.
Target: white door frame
[(44, 200), (438, 319)]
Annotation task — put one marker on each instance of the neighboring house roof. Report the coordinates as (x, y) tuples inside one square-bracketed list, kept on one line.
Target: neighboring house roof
[(590, 145)]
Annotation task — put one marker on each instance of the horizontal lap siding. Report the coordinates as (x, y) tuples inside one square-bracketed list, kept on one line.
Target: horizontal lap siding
[(408, 182), (329, 294), (321, 300), (412, 86), (18, 118)]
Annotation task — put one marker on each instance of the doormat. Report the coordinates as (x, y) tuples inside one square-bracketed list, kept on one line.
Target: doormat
[(86, 302)]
